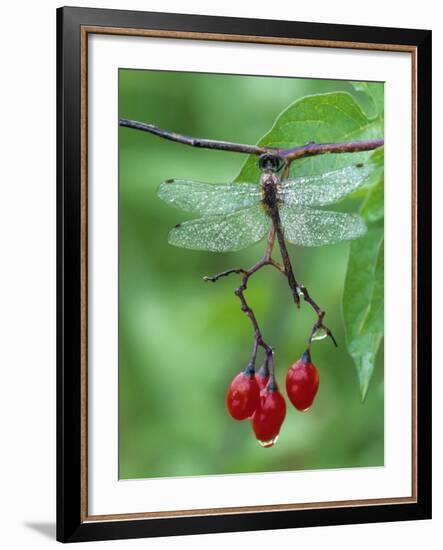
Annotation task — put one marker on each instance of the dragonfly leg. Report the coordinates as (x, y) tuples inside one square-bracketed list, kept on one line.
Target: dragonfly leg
[(286, 167)]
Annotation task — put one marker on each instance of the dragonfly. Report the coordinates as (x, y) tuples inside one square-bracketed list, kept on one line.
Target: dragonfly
[(233, 216)]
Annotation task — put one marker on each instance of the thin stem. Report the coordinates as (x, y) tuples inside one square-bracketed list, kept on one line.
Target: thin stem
[(270, 360), (254, 352), (320, 314), (264, 369), (240, 293), (289, 155), (215, 278)]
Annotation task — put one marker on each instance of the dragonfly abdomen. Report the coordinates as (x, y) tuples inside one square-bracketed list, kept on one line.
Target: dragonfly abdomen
[(270, 196)]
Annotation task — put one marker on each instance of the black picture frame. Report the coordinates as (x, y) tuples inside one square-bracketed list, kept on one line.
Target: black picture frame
[(72, 524)]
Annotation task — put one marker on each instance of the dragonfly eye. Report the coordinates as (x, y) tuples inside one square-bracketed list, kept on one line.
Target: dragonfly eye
[(267, 162)]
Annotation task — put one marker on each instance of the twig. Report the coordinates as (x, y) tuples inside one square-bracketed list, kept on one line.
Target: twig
[(298, 291), (240, 293), (215, 278), (311, 149), (318, 325), (289, 155), (194, 142)]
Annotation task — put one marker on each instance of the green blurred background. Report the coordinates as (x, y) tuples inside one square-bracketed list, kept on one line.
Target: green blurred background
[(182, 340)]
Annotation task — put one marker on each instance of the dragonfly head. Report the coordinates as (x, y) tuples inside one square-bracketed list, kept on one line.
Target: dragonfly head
[(269, 163)]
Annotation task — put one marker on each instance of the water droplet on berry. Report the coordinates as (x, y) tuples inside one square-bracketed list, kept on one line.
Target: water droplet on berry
[(269, 443), (269, 415), (319, 334)]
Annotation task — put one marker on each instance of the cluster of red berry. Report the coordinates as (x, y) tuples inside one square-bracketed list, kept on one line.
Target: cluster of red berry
[(256, 396)]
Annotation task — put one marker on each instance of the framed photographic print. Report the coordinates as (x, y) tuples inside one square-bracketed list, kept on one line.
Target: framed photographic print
[(243, 304)]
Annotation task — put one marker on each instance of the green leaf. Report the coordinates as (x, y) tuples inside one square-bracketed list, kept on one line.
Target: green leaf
[(363, 303), (372, 209), (375, 93), (364, 309), (372, 192), (374, 321), (323, 118), (374, 179), (378, 157)]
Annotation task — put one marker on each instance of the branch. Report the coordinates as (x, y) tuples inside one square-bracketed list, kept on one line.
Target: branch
[(311, 149), (308, 150), (195, 142)]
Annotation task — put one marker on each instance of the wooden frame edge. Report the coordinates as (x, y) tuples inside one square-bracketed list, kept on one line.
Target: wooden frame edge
[(84, 275), (202, 512), (90, 29), (282, 41)]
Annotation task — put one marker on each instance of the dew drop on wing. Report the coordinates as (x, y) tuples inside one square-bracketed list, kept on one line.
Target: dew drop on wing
[(208, 198), (224, 233), (324, 189), (306, 226)]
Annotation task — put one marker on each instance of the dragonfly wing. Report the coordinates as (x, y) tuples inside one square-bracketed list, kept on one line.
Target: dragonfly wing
[(325, 188), (209, 198), (222, 233), (308, 227)]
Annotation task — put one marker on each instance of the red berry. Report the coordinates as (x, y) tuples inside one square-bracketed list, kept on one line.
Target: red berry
[(269, 415), (302, 382), (262, 376), (243, 395)]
